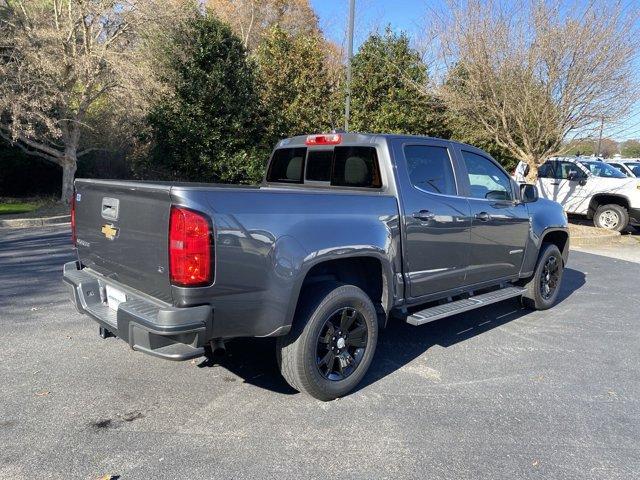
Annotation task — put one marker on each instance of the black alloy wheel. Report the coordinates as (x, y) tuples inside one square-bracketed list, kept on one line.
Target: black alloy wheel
[(341, 344), (550, 277)]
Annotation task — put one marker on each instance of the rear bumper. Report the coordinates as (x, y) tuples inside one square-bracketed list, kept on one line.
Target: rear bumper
[(147, 326)]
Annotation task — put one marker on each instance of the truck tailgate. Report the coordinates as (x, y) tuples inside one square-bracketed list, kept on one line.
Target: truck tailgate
[(122, 232)]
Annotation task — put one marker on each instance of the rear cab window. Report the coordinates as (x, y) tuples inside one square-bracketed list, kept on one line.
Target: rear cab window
[(340, 166), (287, 165)]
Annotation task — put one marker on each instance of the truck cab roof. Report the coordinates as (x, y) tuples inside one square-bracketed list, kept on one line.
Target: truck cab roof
[(350, 138)]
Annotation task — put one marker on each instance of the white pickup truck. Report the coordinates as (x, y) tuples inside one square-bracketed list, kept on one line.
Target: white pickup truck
[(592, 188), (630, 167)]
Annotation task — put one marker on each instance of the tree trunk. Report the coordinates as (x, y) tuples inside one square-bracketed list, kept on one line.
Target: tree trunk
[(532, 177), (69, 167)]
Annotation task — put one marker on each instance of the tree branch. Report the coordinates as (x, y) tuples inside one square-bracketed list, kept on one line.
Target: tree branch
[(89, 150), (35, 153), (44, 150)]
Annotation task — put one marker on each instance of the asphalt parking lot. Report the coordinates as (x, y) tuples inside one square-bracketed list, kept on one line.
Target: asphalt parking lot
[(496, 393)]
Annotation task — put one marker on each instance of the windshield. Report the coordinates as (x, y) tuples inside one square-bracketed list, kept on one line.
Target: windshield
[(635, 168), (601, 169)]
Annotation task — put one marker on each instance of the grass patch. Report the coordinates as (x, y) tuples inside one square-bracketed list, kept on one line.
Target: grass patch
[(18, 207)]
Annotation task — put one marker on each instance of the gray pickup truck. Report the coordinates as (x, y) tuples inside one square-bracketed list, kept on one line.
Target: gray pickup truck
[(346, 232)]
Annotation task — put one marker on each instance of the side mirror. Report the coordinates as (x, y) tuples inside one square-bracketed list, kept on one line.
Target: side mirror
[(497, 195), (583, 181), (528, 193)]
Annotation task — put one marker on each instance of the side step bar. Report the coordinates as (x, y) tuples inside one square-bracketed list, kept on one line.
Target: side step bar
[(446, 310)]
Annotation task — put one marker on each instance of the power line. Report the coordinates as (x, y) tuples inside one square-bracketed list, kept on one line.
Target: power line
[(623, 130)]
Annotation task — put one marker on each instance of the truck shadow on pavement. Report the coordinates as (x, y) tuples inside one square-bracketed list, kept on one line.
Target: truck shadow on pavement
[(253, 360)]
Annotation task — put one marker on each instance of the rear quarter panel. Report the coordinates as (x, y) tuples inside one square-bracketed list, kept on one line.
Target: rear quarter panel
[(266, 240)]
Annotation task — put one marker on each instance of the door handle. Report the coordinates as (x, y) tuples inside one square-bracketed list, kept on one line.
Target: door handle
[(425, 215), (555, 183), (482, 216)]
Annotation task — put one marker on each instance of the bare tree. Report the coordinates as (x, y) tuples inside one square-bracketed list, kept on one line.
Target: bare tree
[(250, 18), (61, 61), (532, 74)]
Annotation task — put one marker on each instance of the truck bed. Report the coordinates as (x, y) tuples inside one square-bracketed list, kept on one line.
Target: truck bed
[(263, 239)]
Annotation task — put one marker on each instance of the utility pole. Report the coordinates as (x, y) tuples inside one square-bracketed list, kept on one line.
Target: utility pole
[(347, 105), (600, 136)]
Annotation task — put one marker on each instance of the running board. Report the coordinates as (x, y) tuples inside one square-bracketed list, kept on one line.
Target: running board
[(446, 310)]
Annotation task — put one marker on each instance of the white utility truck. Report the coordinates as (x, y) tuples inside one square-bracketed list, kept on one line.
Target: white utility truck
[(592, 188)]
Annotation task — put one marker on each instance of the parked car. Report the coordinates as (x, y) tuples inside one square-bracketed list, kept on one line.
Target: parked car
[(591, 188), (345, 232), (628, 167)]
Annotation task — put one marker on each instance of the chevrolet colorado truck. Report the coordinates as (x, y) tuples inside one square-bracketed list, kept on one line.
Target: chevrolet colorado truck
[(593, 189), (346, 232)]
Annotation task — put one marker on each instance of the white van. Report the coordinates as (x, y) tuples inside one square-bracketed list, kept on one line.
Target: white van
[(592, 188)]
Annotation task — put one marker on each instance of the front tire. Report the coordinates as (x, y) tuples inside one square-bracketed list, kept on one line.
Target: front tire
[(331, 343), (544, 287), (611, 217)]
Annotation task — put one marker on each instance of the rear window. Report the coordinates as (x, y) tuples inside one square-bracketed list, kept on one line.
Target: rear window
[(339, 166), (355, 167), (319, 165), (287, 165)]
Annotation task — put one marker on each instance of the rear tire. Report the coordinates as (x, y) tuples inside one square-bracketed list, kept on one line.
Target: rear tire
[(611, 217), (331, 343), (544, 286)]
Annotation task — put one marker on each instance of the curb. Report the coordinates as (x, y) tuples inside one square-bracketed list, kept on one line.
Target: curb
[(35, 222), (596, 241)]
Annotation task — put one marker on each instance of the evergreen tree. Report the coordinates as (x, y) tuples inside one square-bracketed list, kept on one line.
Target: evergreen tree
[(295, 86), (389, 81), (207, 126)]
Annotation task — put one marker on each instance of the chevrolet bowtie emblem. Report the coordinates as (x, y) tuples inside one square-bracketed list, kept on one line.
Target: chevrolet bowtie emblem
[(110, 231)]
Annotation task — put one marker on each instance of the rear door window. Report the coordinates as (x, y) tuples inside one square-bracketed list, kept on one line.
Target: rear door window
[(287, 165), (430, 169)]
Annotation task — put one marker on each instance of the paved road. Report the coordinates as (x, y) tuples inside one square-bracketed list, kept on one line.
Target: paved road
[(496, 393), (628, 250)]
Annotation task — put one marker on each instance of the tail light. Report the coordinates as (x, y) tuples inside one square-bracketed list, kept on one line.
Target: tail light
[(324, 139), (189, 248), (73, 218)]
